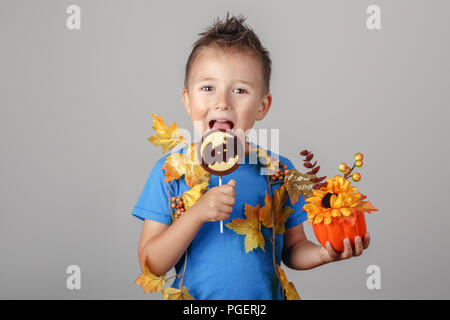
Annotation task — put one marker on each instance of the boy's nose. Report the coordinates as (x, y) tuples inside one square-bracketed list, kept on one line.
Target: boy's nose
[(222, 105), (222, 101)]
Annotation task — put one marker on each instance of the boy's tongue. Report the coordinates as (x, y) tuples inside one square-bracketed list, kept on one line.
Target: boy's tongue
[(221, 125)]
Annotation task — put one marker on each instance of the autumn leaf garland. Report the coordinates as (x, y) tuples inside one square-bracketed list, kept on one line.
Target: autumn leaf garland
[(178, 165)]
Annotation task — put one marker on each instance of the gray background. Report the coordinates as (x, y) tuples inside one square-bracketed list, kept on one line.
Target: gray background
[(76, 114)]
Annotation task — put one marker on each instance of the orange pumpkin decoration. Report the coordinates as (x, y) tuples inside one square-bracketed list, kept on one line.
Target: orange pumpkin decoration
[(336, 212), (339, 229)]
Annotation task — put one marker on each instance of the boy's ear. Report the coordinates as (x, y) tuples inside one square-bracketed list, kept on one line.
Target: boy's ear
[(185, 96), (264, 107)]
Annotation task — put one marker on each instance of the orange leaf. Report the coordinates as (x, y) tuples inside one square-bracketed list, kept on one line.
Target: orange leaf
[(178, 164), (165, 137), (288, 287), (149, 281), (366, 206), (176, 294), (250, 227), (281, 213)]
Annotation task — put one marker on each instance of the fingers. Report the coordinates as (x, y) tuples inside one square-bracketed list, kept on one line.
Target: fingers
[(227, 189), (358, 246), (331, 252), (227, 200), (348, 251), (232, 182), (366, 240), (224, 212)]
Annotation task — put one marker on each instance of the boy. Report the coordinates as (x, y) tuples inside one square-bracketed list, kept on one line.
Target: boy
[(226, 86)]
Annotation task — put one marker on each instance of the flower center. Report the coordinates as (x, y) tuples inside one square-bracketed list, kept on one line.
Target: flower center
[(326, 200)]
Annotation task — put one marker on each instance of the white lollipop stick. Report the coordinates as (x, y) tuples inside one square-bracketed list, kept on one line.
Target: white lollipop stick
[(221, 222)]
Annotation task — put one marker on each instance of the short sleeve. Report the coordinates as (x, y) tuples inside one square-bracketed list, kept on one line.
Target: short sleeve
[(299, 215), (153, 201)]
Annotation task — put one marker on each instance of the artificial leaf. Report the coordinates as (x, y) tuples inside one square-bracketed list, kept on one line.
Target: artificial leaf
[(165, 137), (149, 281), (176, 294), (288, 287), (298, 183), (174, 167), (276, 206), (266, 214), (270, 162), (366, 206), (178, 164), (191, 196), (250, 227)]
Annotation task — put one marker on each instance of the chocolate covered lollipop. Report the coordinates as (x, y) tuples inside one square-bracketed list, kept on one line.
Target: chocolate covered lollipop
[(220, 152)]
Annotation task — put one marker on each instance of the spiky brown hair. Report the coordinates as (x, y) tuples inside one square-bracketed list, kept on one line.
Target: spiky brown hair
[(232, 33)]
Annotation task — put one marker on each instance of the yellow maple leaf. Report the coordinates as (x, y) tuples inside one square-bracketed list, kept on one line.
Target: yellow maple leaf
[(149, 281), (165, 137), (191, 196), (281, 213), (178, 164), (288, 287), (250, 227), (176, 294)]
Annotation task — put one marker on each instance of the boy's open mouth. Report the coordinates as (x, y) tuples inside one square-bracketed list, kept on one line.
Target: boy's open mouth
[(221, 124)]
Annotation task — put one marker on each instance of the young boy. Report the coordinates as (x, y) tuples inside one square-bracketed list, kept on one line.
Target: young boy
[(227, 78)]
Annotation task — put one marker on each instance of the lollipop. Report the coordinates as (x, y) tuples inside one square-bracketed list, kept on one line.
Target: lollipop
[(220, 152)]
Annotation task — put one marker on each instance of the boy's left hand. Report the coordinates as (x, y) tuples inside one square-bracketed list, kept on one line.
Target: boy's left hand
[(328, 254)]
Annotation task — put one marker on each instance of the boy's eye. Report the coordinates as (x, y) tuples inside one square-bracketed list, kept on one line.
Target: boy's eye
[(208, 88), (242, 90)]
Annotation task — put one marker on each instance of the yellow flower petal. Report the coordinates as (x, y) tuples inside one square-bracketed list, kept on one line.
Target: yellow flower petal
[(345, 211), (318, 219), (335, 213)]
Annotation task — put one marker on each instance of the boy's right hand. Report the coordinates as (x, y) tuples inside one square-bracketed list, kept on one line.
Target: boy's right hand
[(217, 203)]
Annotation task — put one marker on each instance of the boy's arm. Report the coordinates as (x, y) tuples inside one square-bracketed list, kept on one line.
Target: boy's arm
[(301, 254), (161, 245)]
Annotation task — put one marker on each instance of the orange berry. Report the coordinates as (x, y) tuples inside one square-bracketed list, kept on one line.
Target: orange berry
[(356, 176), (358, 156), (343, 167)]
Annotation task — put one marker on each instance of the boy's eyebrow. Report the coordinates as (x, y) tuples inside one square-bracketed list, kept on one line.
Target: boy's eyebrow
[(211, 78)]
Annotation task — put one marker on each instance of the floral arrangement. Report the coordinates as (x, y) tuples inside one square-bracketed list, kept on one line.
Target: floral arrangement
[(336, 209)]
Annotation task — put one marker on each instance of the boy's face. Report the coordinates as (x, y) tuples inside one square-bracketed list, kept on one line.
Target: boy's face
[(225, 86)]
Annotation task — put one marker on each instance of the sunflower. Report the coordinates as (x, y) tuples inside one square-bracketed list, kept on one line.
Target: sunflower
[(337, 199)]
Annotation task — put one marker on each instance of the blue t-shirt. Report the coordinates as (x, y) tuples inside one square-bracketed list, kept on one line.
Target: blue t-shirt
[(218, 268)]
